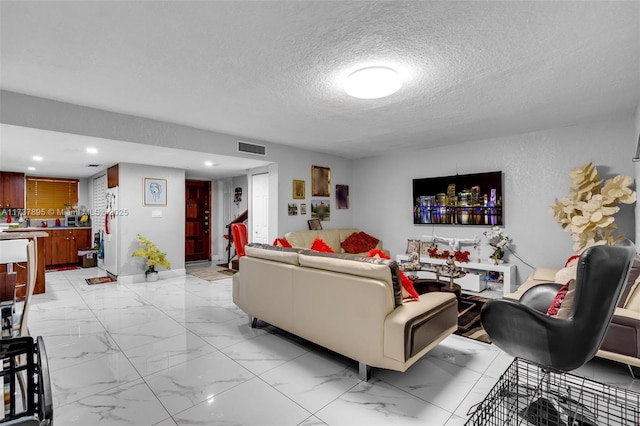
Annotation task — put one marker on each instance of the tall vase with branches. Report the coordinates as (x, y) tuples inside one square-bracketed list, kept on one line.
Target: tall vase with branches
[(589, 209)]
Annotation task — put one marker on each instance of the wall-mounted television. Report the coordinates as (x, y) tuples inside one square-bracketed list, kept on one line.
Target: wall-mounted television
[(473, 199)]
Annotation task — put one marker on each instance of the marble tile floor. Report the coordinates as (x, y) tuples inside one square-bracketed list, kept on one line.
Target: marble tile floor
[(179, 352)]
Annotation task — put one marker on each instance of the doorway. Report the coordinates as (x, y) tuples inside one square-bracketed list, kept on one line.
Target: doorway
[(260, 208), (197, 220)]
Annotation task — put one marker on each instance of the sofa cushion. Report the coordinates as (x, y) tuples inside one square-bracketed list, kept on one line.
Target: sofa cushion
[(544, 274), (557, 301), (276, 254), (320, 245), (359, 242), (632, 302), (376, 268), (631, 281), (567, 303)]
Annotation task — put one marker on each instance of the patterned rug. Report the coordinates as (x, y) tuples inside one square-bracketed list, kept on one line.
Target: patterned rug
[(99, 280), (211, 273), (469, 318)]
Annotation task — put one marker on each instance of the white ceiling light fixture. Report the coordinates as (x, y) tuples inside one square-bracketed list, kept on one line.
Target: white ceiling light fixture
[(92, 150), (208, 163), (31, 168), (373, 83), (36, 158)]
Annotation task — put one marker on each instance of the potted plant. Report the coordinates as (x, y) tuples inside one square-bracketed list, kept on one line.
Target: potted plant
[(154, 256), (498, 239)]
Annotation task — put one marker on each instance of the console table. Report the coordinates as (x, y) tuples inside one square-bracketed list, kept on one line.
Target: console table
[(507, 270)]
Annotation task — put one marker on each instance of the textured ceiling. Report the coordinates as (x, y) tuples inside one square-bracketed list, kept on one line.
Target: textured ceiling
[(273, 70)]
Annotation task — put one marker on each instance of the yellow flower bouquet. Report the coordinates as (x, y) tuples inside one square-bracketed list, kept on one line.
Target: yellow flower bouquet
[(588, 211), (154, 256)]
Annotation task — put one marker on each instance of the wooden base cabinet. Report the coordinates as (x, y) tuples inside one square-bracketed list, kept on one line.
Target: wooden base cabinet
[(63, 244)]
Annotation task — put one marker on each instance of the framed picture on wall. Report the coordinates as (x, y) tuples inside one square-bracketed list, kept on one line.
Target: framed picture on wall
[(303, 209), (320, 181), (314, 224), (293, 209), (342, 196), (155, 192), (298, 189)]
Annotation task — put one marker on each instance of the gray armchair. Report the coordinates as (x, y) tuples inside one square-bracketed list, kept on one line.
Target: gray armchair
[(522, 328)]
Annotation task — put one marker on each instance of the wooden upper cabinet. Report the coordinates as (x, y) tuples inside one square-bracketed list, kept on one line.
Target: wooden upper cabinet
[(112, 176), (12, 190)]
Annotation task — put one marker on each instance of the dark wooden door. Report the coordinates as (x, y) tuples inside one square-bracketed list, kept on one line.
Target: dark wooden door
[(197, 220)]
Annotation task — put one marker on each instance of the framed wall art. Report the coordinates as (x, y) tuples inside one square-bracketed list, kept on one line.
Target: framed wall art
[(321, 209), (293, 209), (303, 208), (155, 192), (298, 189), (314, 224), (342, 196), (320, 181)]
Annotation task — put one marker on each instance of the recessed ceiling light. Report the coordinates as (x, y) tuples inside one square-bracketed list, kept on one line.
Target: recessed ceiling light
[(92, 150), (31, 168), (208, 163), (373, 83), (36, 158)]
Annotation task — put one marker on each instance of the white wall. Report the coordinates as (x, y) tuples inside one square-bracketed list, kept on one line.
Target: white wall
[(167, 232), (536, 171)]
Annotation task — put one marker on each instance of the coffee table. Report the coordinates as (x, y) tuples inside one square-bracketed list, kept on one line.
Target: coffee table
[(423, 286)]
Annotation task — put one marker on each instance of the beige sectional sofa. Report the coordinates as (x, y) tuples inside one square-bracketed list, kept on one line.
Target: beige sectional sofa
[(333, 237), (349, 304), (622, 341)]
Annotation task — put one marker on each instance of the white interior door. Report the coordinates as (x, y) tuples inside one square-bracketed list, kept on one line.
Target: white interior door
[(260, 208)]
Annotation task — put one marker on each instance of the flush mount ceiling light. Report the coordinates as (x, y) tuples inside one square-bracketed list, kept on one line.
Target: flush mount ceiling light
[(36, 158), (92, 150), (373, 83)]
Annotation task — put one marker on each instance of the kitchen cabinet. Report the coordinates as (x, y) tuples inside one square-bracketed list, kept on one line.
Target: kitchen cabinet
[(12, 190), (63, 245), (112, 176)]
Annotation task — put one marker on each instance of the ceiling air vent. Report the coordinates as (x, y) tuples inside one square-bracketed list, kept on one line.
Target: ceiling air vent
[(252, 148), (93, 165)]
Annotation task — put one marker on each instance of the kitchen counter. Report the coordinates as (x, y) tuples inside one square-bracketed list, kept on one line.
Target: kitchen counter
[(38, 235), (40, 228)]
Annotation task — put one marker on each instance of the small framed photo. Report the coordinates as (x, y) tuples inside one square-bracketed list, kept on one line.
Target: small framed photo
[(413, 246), (155, 192), (293, 209), (425, 246), (342, 196), (320, 181), (314, 224), (303, 209), (298, 189)]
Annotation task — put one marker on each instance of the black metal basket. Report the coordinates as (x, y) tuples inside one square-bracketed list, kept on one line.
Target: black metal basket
[(25, 382), (527, 394)]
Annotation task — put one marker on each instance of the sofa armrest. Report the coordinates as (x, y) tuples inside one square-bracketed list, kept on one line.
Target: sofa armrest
[(413, 325), (623, 334)]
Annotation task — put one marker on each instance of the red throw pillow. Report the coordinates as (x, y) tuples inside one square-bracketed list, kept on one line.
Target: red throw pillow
[(359, 242), (320, 245), (557, 301), (407, 284), (281, 242), (378, 253)]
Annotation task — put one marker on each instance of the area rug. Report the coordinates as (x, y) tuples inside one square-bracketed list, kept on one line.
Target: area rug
[(99, 280), (469, 325), (62, 268), (211, 273)]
